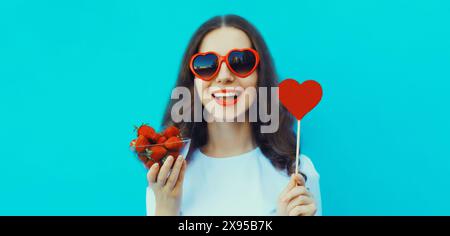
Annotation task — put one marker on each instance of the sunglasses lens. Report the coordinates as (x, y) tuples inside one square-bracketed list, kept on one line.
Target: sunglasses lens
[(242, 62), (205, 65)]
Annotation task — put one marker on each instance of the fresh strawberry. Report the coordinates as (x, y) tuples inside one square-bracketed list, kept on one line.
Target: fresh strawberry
[(156, 152), (149, 164), (175, 154), (171, 131), (143, 157), (173, 144), (156, 137), (141, 143), (161, 139), (146, 131)]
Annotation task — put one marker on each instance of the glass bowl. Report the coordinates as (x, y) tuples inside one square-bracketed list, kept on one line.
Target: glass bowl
[(158, 153)]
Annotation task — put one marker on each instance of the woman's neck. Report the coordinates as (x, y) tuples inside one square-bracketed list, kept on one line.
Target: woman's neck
[(229, 139)]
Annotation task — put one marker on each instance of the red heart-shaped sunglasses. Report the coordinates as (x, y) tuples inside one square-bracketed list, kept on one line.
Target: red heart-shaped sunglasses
[(241, 62)]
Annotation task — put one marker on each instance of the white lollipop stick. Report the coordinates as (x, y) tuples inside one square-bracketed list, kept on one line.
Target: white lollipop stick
[(298, 146)]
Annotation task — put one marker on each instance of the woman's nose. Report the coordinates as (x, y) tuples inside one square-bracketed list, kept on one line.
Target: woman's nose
[(224, 74)]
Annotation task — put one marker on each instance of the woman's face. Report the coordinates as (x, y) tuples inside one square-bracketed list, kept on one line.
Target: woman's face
[(239, 94)]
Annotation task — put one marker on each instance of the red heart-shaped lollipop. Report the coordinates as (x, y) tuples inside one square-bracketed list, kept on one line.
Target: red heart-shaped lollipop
[(299, 99)]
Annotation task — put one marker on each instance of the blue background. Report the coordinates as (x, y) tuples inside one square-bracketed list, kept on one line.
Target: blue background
[(77, 75)]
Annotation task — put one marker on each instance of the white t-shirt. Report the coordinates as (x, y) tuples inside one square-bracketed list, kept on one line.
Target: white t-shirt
[(246, 184)]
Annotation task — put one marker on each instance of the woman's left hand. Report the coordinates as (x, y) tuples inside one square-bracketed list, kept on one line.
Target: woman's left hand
[(296, 200)]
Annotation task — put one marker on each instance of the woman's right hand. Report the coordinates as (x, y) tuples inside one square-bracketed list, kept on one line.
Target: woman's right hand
[(167, 188)]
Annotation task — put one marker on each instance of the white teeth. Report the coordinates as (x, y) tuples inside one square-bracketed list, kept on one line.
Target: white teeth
[(221, 95)]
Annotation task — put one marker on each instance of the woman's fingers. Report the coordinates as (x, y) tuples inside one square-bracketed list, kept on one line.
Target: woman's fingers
[(290, 185), (295, 180), (298, 210), (181, 176), (300, 181), (303, 210), (152, 174), (175, 172), (165, 169), (298, 201), (294, 192)]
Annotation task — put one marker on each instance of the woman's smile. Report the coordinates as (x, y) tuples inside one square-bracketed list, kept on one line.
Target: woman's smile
[(226, 97)]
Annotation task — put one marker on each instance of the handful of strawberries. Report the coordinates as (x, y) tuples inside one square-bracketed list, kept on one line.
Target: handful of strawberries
[(152, 147)]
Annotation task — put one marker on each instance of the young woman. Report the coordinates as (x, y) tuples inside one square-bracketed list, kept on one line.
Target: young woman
[(232, 168)]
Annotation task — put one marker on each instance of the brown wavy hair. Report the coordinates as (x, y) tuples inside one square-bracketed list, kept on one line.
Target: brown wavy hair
[(278, 147)]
